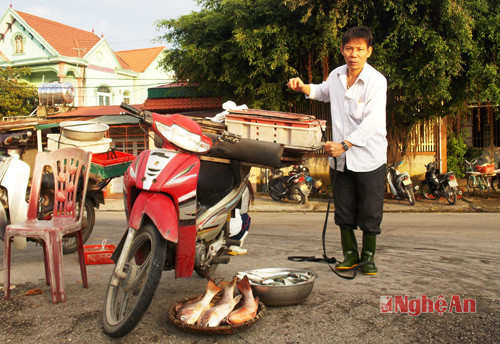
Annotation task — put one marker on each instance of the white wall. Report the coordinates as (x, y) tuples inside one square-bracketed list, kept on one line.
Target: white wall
[(32, 49)]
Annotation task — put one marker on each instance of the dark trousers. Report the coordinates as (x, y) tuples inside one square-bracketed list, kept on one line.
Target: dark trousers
[(359, 199)]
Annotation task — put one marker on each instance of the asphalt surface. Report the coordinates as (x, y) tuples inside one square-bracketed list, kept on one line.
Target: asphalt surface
[(431, 254)]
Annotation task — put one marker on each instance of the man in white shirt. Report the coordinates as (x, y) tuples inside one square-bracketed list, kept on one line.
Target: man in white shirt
[(358, 95)]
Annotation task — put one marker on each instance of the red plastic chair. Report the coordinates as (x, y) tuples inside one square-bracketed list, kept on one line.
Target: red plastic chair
[(66, 165)]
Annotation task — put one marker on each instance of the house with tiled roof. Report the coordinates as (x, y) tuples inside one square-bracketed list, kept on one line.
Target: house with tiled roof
[(59, 52)]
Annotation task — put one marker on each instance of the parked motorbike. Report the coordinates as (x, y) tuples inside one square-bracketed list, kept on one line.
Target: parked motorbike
[(400, 184), (178, 205), (14, 178), (313, 185), (436, 185), (293, 187)]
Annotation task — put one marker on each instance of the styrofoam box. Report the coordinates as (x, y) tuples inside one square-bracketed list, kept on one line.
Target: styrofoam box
[(99, 146), (307, 135)]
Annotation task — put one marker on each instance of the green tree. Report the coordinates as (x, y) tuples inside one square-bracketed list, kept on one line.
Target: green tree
[(459, 151), (17, 98), (438, 55)]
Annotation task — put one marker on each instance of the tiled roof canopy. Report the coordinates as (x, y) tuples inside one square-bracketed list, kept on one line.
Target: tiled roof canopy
[(138, 60), (92, 111), (73, 42), (67, 40), (172, 105)]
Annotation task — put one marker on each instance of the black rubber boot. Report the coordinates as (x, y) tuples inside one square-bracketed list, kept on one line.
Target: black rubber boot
[(368, 254), (350, 250)]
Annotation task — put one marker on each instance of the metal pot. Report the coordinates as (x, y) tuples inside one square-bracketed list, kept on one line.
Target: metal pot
[(272, 295), (83, 130)]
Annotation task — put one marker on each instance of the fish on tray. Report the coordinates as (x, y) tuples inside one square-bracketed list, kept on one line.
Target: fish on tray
[(250, 305), (276, 278), (191, 312), (216, 315)]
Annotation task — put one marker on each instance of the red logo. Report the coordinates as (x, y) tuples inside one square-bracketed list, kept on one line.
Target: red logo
[(417, 306), (386, 304)]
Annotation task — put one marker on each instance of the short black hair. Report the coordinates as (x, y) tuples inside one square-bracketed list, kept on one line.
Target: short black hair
[(358, 32)]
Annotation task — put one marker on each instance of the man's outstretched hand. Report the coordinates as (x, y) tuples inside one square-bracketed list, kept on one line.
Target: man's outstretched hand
[(298, 85)]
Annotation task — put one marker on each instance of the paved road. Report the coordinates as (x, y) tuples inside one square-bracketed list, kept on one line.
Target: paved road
[(419, 254)]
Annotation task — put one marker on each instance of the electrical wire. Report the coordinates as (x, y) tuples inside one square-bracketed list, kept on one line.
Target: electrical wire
[(80, 87)]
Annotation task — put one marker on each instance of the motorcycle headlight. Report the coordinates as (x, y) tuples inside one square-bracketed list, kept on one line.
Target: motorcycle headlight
[(183, 138)]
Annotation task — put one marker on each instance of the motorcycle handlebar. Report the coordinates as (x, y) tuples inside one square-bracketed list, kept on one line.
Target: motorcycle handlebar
[(130, 109), (144, 116)]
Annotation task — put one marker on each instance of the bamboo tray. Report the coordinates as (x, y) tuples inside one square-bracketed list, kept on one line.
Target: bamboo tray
[(218, 330)]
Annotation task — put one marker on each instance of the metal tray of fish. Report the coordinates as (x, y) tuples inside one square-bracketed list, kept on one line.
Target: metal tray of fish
[(280, 286), (221, 329)]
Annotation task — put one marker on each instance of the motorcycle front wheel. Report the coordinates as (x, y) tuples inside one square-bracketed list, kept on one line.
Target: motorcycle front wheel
[(126, 304), (300, 196), (471, 185), (450, 194), (88, 221), (410, 195), (303, 199), (425, 190)]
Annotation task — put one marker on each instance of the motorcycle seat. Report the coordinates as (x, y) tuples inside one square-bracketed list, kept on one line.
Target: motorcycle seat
[(251, 151)]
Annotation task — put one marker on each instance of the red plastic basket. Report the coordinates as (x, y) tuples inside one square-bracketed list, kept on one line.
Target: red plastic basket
[(485, 168), (98, 254), (111, 158)]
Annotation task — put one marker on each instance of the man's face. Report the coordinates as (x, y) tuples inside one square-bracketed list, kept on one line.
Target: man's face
[(356, 53)]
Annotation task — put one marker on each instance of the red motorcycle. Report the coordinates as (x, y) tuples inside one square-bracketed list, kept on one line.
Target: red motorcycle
[(178, 204)]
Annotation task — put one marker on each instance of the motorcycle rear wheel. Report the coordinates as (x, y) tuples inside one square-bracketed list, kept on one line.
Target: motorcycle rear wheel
[(450, 194), (274, 195), (484, 189), (88, 221), (495, 184), (410, 195), (126, 304), (425, 190)]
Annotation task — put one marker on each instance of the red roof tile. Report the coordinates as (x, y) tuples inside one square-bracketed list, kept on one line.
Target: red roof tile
[(67, 40), (140, 59), (92, 111), (182, 104), (123, 64)]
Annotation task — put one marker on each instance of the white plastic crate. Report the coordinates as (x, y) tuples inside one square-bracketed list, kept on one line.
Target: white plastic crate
[(299, 135)]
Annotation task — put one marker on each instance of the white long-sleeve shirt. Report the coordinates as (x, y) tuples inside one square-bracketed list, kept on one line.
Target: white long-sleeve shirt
[(358, 116)]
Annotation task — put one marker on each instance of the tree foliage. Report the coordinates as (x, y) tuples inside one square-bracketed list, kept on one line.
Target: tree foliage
[(438, 55), (17, 98)]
